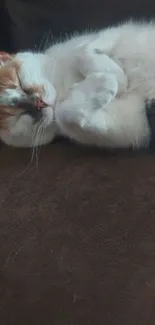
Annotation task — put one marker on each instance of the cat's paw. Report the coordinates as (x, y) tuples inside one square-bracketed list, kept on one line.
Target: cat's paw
[(90, 58), (43, 93), (85, 98), (96, 91), (30, 73)]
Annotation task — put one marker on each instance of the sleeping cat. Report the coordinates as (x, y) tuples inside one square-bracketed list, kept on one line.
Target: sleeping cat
[(92, 88)]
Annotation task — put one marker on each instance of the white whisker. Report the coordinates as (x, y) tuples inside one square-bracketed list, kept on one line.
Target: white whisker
[(49, 36), (41, 46), (37, 139)]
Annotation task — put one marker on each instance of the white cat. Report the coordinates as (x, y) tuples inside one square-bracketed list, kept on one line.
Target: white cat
[(92, 88)]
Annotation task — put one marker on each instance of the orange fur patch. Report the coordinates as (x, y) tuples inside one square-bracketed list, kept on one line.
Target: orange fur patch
[(5, 113), (8, 80)]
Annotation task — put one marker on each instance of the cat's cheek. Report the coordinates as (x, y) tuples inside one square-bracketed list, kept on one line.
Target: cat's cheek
[(48, 114), (9, 124), (7, 133)]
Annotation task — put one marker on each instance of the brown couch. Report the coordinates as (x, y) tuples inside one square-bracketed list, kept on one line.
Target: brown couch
[(77, 233)]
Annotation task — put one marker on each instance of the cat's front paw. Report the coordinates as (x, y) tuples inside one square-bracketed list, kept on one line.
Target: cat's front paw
[(96, 91), (44, 94), (90, 58), (73, 115), (29, 67)]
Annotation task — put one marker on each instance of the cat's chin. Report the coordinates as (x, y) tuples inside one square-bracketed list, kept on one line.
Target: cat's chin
[(23, 132)]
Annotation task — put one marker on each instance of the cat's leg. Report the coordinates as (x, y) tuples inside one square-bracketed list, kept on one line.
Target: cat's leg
[(30, 69), (85, 98), (98, 89), (122, 123), (90, 58)]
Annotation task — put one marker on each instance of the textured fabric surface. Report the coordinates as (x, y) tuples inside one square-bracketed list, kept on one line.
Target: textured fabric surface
[(77, 232), (77, 237)]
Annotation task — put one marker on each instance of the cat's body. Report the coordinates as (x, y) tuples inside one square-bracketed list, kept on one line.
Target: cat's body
[(95, 87)]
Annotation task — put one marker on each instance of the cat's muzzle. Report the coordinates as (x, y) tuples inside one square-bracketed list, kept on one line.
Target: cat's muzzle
[(24, 102)]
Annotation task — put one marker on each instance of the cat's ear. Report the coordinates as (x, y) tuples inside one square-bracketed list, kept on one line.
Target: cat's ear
[(4, 58)]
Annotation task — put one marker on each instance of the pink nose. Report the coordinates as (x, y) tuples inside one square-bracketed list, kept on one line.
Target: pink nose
[(39, 104)]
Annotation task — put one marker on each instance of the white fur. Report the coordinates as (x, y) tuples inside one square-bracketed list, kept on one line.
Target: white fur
[(96, 86)]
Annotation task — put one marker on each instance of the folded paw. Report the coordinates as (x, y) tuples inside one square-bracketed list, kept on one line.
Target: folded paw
[(96, 91), (32, 80)]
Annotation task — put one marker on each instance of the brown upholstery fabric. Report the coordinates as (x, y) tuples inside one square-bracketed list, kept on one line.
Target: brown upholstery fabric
[(77, 237), (77, 233)]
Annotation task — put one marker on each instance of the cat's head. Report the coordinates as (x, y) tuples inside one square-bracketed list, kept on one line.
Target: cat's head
[(20, 118), (13, 100)]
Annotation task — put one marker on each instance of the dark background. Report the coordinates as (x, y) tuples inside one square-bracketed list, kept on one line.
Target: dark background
[(30, 22)]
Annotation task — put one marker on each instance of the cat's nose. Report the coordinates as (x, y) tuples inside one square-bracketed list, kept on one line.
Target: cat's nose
[(28, 104), (39, 104)]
